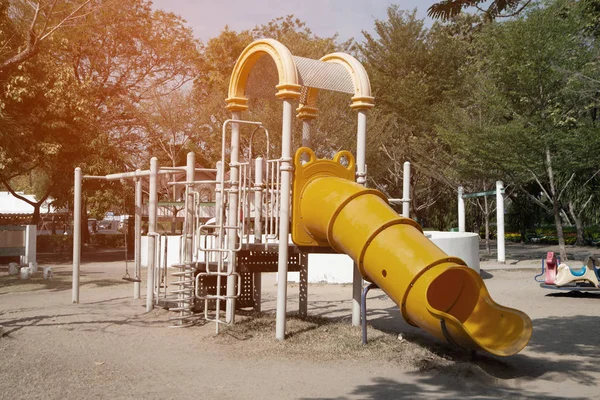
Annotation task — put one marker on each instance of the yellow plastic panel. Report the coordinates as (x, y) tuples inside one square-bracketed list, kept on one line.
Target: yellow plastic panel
[(435, 292), (304, 172)]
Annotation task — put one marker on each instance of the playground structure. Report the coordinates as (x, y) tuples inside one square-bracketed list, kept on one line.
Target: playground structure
[(559, 276), (331, 211), (498, 192)]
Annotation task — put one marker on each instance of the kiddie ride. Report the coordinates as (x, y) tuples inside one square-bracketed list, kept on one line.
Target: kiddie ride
[(558, 276), (272, 212)]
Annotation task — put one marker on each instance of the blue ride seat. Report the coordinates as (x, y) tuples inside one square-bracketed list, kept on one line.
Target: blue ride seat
[(579, 272)]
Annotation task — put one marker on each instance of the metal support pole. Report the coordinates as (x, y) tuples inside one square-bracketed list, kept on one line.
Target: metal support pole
[(406, 190), (303, 287), (461, 210), (219, 196), (364, 310), (361, 148), (152, 203), (258, 188), (138, 236), (500, 221), (284, 219), (76, 233), (189, 209), (306, 141), (233, 215), (361, 178)]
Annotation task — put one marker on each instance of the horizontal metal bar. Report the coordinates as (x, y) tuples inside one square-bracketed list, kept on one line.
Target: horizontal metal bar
[(192, 182), (133, 174), (183, 169), (479, 194), (241, 121), (398, 201)]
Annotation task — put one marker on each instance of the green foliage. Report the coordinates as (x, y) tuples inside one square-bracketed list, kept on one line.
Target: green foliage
[(211, 86), (108, 241), (446, 9), (414, 72), (54, 243), (75, 103)]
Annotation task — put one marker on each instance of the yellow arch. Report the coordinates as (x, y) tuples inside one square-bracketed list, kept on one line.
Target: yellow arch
[(362, 99), (288, 87)]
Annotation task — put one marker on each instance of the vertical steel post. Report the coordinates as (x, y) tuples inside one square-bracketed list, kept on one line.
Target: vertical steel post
[(151, 229), (138, 235), (303, 286), (189, 208), (361, 151), (361, 178), (219, 196), (233, 215), (76, 233), (30, 244), (284, 219), (258, 185), (306, 140), (500, 221), (461, 210), (406, 190)]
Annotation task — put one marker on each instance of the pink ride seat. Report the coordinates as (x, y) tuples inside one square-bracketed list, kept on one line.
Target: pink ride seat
[(551, 265)]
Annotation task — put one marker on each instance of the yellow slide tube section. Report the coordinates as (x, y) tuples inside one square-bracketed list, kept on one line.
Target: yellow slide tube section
[(435, 292)]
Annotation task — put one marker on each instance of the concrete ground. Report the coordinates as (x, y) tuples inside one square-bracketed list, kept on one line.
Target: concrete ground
[(107, 347)]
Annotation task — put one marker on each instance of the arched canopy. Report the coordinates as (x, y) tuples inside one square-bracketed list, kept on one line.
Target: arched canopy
[(292, 76), (362, 98), (288, 87)]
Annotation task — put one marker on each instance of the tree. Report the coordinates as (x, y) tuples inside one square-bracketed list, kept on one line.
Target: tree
[(171, 124), (34, 22), (74, 104), (447, 9), (218, 59), (533, 130), (414, 71)]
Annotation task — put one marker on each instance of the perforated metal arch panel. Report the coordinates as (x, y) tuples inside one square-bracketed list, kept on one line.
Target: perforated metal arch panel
[(324, 75)]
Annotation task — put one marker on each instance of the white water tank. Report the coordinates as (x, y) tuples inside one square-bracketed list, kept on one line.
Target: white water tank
[(464, 245)]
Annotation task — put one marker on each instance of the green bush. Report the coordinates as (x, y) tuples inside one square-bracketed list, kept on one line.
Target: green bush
[(512, 237), (108, 241), (54, 243)]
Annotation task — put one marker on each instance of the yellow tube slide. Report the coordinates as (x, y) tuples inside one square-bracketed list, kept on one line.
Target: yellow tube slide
[(435, 292)]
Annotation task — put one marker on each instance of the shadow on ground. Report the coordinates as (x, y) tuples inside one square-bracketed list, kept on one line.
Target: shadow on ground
[(81, 321), (60, 281), (88, 254), (559, 346), (438, 387)]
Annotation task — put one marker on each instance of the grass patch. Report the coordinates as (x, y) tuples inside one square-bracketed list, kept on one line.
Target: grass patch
[(318, 339)]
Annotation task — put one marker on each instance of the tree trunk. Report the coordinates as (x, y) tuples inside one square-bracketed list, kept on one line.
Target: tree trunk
[(579, 224), (35, 217), (559, 233), (580, 233), (556, 209)]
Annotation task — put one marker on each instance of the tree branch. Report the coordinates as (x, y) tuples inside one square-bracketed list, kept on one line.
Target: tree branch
[(565, 187)]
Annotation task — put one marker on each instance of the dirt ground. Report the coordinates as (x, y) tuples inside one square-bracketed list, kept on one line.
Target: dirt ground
[(107, 347)]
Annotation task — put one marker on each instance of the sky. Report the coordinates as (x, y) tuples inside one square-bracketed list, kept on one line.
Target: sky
[(324, 17)]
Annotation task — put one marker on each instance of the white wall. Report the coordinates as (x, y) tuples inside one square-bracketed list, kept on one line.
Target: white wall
[(338, 268), (327, 268), (172, 250), (464, 245)]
